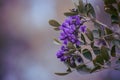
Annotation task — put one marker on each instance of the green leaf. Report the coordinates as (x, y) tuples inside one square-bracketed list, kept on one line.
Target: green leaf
[(54, 23), (113, 51), (100, 33), (115, 19), (99, 59), (83, 68), (87, 54), (70, 13), (109, 1), (92, 44), (83, 38), (56, 29), (56, 41), (109, 39), (90, 10), (96, 50), (81, 6), (104, 53), (89, 34), (108, 31), (61, 74)]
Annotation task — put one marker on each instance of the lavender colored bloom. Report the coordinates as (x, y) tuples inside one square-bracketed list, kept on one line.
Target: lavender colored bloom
[(63, 58), (63, 36), (69, 30), (65, 42), (78, 43), (83, 28), (64, 48), (69, 33), (60, 53)]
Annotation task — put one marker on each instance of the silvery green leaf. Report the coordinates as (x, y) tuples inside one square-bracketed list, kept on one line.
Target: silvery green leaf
[(62, 74), (104, 53), (99, 59), (56, 29), (56, 41), (113, 51), (70, 13), (87, 54), (89, 34), (96, 50), (81, 6), (115, 19), (83, 38), (54, 23), (90, 10), (108, 31)]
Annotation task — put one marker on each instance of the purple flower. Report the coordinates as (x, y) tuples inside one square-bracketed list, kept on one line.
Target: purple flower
[(62, 36), (64, 48), (65, 42), (69, 30), (63, 58), (59, 54), (78, 43), (83, 28), (69, 34)]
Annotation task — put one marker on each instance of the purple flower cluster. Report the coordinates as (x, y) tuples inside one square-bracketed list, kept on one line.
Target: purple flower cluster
[(69, 33), (70, 28), (60, 53)]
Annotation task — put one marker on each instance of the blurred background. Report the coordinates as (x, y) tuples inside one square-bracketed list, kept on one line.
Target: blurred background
[(27, 51)]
